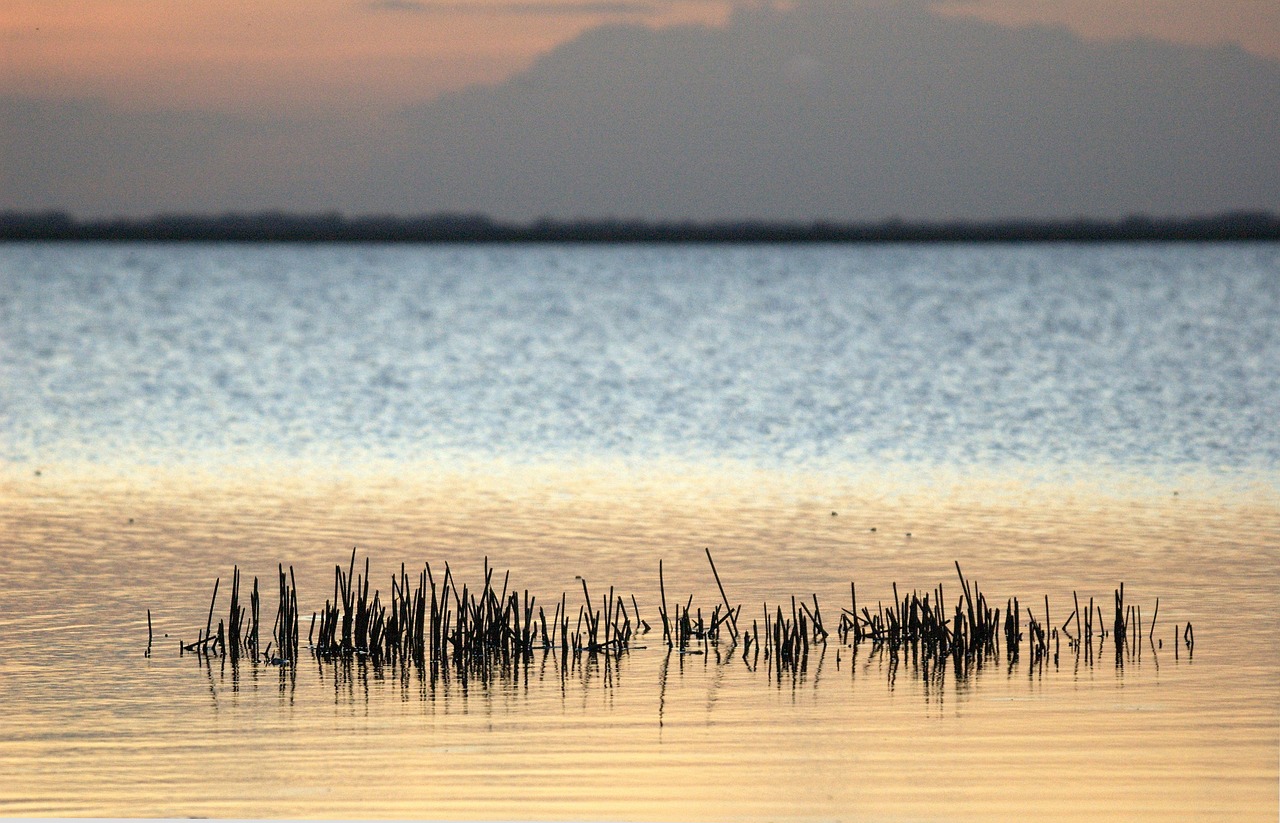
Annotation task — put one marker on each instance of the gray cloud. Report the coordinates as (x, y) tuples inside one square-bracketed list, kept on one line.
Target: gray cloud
[(836, 110), (574, 7), (842, 110), (86, 156)]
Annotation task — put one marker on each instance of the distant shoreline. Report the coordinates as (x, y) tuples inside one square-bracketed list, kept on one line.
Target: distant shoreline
[(461, 228)]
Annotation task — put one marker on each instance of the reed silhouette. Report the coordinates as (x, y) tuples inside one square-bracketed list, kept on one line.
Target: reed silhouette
[(431, 623)]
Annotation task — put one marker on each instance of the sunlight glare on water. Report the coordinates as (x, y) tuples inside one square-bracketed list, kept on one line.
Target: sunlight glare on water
[(784, 357), (105, 731)]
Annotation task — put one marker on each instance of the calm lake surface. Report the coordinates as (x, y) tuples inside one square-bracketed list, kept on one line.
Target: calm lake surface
[(1056, 418)]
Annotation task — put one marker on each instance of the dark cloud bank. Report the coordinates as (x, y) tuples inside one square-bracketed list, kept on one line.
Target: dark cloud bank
[(834, 111)]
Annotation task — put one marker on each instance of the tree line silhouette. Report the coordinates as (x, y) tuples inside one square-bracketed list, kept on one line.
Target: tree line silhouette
[(272, 226)]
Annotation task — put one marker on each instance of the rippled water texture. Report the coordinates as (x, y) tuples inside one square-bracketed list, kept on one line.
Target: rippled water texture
[(974, 355), (1058, 419), (92, 727)]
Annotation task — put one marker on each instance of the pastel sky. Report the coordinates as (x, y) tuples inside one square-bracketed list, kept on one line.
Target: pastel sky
[(238, 55), (137, 106)]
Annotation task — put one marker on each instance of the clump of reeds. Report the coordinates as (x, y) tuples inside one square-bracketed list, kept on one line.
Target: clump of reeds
[(433, 622), (926, 628), (425, 622), (685, 628), (238, 634)]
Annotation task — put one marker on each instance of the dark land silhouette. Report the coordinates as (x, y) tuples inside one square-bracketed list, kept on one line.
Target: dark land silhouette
[(475, 228)]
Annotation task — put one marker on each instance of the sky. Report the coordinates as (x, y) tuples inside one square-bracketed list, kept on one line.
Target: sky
[(142, 106)]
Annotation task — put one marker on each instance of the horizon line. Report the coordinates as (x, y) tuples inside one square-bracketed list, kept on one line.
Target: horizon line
[(456, 227)]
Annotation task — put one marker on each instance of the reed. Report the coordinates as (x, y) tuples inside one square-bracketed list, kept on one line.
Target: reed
[(446, 630), (733, 622)]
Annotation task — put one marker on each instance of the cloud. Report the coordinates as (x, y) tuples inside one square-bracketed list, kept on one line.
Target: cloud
[(97, 160), (1255, 24), (833, 110), (571, 8), (846, 110)]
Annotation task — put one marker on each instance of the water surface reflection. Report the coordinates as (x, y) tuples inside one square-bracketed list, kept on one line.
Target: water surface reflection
[(95, 728)]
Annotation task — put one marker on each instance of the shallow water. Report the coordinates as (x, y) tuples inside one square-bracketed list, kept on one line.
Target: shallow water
[(1054, 418), (102, 730)]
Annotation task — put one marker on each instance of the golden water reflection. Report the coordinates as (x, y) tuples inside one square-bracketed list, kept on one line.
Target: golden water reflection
[(94, 728)]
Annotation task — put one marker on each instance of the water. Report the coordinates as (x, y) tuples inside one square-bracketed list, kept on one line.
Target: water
[(1129, 356), (169, 412)]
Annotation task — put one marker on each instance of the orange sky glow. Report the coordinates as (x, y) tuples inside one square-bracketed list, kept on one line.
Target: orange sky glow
[(378, 55), (317, 54)]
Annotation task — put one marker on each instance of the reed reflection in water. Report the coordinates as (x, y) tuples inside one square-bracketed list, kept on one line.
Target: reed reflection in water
[(96, 728)]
